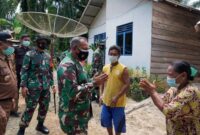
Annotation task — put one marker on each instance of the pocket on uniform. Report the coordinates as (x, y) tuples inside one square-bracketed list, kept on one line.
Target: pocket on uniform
[(4, 74), (4, 71)]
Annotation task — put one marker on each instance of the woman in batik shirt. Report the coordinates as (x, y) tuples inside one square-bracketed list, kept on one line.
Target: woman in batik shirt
[(181, 103)]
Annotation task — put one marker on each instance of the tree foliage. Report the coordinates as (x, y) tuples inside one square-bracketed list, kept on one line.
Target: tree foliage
[(68, 8), (8, 8)]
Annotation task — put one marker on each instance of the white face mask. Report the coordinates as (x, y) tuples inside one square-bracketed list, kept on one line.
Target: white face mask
[(113, 59), (26, 43)]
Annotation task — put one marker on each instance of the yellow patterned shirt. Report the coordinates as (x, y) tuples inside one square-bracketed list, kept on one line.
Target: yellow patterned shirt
[(182, 111)]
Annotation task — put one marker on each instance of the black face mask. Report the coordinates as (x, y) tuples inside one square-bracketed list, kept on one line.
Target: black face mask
[(102, 47), (82, 55), (42, 46)]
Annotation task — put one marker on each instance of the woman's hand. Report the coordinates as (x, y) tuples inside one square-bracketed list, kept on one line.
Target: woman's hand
[(147, 86)]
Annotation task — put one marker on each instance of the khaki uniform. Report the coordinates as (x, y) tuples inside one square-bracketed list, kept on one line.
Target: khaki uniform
[(8, 89)]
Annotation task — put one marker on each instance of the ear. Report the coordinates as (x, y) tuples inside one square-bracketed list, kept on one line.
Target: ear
[(184, 75)]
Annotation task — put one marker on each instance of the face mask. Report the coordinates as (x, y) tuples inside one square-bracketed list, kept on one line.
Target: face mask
[(113, 59), (8, 51), (82, 55), (102, 47), (172, 82), (26, 43)]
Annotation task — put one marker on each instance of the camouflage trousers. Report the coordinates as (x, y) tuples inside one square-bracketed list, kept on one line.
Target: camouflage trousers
[(74, 123), (33, 98)]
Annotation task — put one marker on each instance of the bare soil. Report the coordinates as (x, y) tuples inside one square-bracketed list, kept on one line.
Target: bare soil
[(142, 119)]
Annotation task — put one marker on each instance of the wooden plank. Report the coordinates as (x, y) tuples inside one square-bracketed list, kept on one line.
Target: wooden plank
[(173, 37), (175, 50), (161, 6), (169, 60), (158, 71), (177, 40), (162, 42), (174, 55), (187, 21), (159, 65), (185, 35), (179, 29), (170, 23)]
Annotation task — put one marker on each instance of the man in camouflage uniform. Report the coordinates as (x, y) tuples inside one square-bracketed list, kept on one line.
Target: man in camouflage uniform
[(74, 89), (97, 66), (36, 79)]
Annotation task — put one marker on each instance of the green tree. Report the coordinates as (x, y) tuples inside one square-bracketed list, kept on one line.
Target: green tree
[(196, 4), (69, 8)]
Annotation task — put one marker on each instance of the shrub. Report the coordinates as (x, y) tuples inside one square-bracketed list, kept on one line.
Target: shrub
[(135, 92)]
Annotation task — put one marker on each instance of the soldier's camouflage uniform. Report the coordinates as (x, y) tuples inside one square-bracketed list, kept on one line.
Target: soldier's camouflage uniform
[(37, 76), (97, 62), (74, 104), (97, 66), (63, 55)]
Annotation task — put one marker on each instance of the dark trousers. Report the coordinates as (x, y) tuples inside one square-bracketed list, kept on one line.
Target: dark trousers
[(5, 108), (18, 70)]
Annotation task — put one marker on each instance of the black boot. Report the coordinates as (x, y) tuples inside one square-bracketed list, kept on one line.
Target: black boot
[(21, 131), (40, 127)]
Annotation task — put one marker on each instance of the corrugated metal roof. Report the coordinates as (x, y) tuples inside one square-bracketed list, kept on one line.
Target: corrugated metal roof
[(91, 11), (94, 6)]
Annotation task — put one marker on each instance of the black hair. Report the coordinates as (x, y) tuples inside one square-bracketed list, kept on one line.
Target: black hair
[(42, 37), (115, 47), (183, 66), (24, 35)]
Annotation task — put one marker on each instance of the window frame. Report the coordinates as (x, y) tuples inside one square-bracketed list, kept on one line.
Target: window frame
[(124, 37)]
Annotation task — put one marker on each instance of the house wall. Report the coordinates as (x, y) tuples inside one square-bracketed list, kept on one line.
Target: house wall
[(173, 37), (120, 12), (98, 26)]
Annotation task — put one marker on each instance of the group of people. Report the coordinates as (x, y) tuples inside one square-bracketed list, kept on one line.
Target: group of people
[(180, 104)]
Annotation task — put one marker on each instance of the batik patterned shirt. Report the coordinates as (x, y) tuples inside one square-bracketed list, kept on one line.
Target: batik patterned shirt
[(182, 111)]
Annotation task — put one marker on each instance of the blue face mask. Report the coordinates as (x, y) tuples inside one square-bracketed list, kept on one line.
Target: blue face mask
[(8, 51), (26, 43), (172, 82)]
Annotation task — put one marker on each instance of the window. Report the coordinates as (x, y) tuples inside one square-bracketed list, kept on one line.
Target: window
[(124, 38), (99, 37)]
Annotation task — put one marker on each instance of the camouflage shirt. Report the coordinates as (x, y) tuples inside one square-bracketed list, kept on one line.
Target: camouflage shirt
[(74, 94), (97, 62), (36, 72)]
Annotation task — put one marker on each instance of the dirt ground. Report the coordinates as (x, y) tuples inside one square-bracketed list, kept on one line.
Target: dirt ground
[(142, 119)]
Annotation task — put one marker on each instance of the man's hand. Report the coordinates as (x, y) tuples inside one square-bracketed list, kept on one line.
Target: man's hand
[(13, 103), (54, 89), (114, 101), (99, 80), (100, 100), (24, 91)]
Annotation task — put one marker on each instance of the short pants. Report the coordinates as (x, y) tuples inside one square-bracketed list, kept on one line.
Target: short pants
[(115, 115)]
